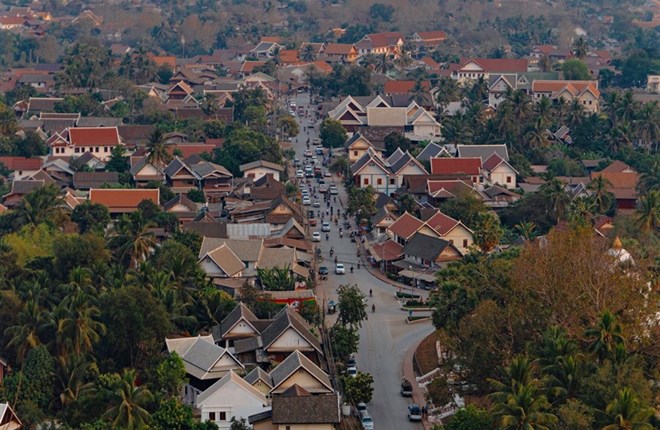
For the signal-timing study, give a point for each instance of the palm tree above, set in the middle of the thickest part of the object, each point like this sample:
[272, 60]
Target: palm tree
[649, 181]
[602, 198]
[81, 327]
[129, 411]
[132, 238]
[404, 59]
[627, 413]
[581, 211]
[71, 373]
[383, 64]
[626, 108]
[418, 92]
[25, 335]
[543, 112]
[447, 90]
[648, 211]
[308, 53]
[575, 114]
[158, 154]
[537, 136]
[648, 125]
[42, 205]
[554, 191]
[580, 47]
[210, 104]
[605, 335]
[526, 229]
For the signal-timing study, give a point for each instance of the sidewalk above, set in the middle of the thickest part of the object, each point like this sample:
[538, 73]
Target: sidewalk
[409, 373]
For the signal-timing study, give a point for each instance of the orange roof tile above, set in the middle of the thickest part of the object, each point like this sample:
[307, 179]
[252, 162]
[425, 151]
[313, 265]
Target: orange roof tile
[288, 56]
[164, 60]
[94, 136]
[339, 48]
[618, 167]
[21, 163]
[574, 87]
[402, 87]
[123, 200]
[494, 65]
[406, 225]
[430, 62]
[432, 36]
[322, 66]
[270, 39]
[441, 223]
[248, 66]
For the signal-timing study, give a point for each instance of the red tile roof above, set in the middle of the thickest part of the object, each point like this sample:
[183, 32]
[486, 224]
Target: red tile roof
[188, 149]
[94, 136]
[123, 200]
[387, 251]
[574, 87]
[406, 225]
[455, 166]
[430, 62]
[402, 87]
[338, 48]
[164, 60]
[288, 56]
[450, 187]
[492, 162]
[441, 223]
[322, 66]
[248, 66]
[618, 167]
[21, 163]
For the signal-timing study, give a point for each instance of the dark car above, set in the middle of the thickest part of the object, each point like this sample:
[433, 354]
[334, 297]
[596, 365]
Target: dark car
[414, 412]
[323, 270]
[406, 388]
[332, 307]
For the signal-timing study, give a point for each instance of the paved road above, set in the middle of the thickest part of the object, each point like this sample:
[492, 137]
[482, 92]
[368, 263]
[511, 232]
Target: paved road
[385, 338]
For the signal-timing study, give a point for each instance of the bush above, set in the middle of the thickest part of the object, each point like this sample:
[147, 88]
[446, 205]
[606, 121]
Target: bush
[401, 295]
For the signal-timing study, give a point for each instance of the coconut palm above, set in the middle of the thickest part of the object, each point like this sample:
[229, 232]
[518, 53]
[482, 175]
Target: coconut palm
[447, 90]
[524, 410]
[526, 229]
[650, 180]
[601, 197]
[581, 211]
[81, 327]
[158, 154]
[580, 47]
[648, 211]
[132, 239]
[418, 92]
[25, 335]
[128, 411]
[42, 205]
[648, 125]
[308, 53]
[626, 108]
[605, 335]
[404, 59]
[543, 112]
[70, 375]
[575, 114]
[626, 412]
[554, 191]
[537, 136]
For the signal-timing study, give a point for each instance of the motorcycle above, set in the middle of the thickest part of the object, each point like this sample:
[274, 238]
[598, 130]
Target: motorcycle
[373, 308]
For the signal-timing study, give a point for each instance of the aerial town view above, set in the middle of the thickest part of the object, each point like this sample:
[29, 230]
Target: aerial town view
[329, 214]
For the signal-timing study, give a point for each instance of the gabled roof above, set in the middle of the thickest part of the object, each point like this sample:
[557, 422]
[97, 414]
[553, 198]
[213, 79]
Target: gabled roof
[403, 87]
[177, 165]
[181, 86]
[425, 247]
[387, 251]
[206, 168]
[339, 48]
[482, 151]
[86, 180]
[258, 374]
[226, 260]
[24, 187]
[232, 377]
[245, 249]
[261, 163]
[94, 136]
[432, 36]
[406, 225]
[495, 160]
[369, 157]
[142, 163]
[576, 88]
[180, 199]
[443, 224]
[239, 313]
[432, 150]
[8, 418]
[447, 188]
[618, 167]
[284, 320]
[297, 406]
[387, 116]
[295, 361]
[356, 136]
[403, 161]
[456, 166]
[396, 155]
[200, 355]
[123, 200]
[495, 65]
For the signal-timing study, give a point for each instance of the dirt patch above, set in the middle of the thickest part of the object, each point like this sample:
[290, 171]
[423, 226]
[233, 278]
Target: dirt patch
[426, 357]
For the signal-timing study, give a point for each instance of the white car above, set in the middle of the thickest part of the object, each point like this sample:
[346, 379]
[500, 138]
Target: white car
[327, 174]
[307, 153]
[316, 236]
[351, 371]
[333, 190]
[306, 201]
[325, 227]
[367, 422]
[299, 174]
[340, 269]
[316, 204]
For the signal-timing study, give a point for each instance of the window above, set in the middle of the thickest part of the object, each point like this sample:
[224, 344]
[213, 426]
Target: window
[223, 416]
[355, 153]
[465, 243]
[77, 151]
[211, 416]
[96, 149]
[105, 149]
[481, 179]
[365, 181]
[451, 241]
[392, 181]
[508, 179]
[379, 181]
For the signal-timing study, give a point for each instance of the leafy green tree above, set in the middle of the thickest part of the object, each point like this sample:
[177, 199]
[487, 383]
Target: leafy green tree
[352, 307]
[71, 251]
[469, 418]
[90, 217]
[380, 12]
[40, 206]
[288, 125]
[362, 202]
[488, 232]
[396, 140]
[196, 195]
[575, 70]
[239, 424]
[465, 208]
[129, 410]
[276, 278]
[118, 161]
[172, 414]
[358, 388]
[575, 415]
[333, 134]
[345, 340]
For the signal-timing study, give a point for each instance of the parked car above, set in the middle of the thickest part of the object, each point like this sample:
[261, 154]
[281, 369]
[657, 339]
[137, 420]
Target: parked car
[332, 307]
[350, 362]
[327, 174]
[367, 422]
[340, 269]
[313, 222]
[351, 371]
[414, 412]
[323, 271]
[361, 409]
[406, 388]
[316, 236]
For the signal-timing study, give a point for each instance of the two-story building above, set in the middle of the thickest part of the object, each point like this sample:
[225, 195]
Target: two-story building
[75, 141]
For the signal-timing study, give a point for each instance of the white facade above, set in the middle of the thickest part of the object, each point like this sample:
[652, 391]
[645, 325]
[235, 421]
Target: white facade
[504, 176]
[373, 175]
[258, 172]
